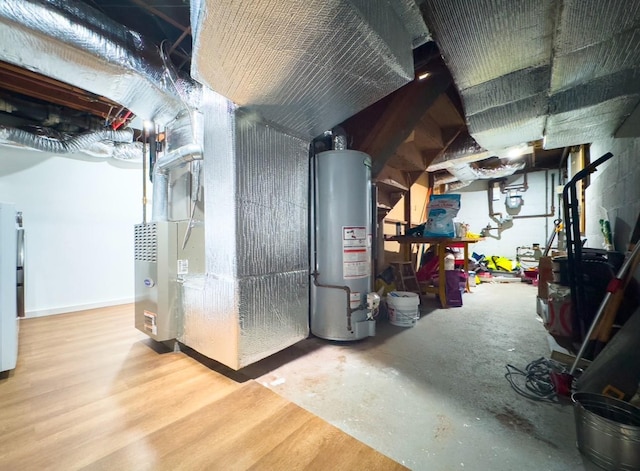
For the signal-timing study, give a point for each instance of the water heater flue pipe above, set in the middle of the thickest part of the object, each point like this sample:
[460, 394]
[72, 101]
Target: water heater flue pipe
[182, 155]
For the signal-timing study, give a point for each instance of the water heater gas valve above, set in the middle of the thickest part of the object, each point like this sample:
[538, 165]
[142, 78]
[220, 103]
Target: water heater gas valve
[373, 301]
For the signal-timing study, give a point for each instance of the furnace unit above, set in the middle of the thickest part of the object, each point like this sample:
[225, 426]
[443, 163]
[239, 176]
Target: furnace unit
[161, 263]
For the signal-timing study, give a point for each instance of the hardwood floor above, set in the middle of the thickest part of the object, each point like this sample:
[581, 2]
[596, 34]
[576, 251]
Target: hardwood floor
[91, 392]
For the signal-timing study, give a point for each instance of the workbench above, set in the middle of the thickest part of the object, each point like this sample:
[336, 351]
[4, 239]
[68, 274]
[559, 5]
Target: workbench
[442, 243]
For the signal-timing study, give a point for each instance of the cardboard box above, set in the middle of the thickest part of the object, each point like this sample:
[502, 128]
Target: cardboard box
[545, 276]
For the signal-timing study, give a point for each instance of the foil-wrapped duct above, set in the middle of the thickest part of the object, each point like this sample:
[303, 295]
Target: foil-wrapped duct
[594, 82]
[527, 69]
[253, 300]
[468, 173]
[305, 65]
[65, 145]
[76, 44]
[589, 123]
[131, 152]
[499, 54]
[409, 13]
[464, 149]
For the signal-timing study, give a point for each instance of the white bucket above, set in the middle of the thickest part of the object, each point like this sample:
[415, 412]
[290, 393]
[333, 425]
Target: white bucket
[403, 308]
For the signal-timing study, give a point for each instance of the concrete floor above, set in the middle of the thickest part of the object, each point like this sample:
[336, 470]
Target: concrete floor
[434, 396]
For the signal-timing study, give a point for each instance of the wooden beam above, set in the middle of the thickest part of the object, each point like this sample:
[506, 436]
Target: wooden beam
[401, 116]
[184, 34]
[159, 14]
[25, 82]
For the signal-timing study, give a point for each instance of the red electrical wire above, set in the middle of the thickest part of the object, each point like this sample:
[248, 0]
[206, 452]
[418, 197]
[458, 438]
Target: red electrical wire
[121, 121]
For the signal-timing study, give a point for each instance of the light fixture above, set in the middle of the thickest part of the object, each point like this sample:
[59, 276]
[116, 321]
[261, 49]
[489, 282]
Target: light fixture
[148, 125]
[424, 75]
[514, 152]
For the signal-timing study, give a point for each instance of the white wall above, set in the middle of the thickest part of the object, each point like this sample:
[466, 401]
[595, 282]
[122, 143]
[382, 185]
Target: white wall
[614, 192]
[79, 215]
[524, 232]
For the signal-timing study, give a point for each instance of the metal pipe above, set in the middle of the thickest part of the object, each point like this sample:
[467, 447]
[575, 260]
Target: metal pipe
[551, 213]
[490, 197]
[145, 136]
[350, 310]
[182, 155]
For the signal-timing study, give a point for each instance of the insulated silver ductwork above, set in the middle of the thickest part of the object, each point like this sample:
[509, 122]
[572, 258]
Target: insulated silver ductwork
[63, 146]
[305, 65]
[467, 173]
[463, 150]
[567, 71]
[180, 156]
[76, 44]
[498, 53]
[254, 299]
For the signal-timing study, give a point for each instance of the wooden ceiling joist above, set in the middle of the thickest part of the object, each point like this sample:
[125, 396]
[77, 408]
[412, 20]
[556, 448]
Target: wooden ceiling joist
[34, 85]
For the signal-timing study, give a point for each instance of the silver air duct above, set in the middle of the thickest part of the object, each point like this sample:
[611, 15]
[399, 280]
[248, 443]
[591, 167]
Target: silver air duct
[71, 42]
[180, 156]
[305, 65]
[566, 71]
[254, 299]
[63, 146]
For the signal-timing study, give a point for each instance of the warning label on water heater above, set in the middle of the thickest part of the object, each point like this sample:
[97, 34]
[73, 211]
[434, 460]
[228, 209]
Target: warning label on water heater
[355, 252]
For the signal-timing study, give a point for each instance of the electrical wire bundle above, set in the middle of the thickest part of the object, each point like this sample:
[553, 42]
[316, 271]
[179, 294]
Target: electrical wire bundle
[535, 382]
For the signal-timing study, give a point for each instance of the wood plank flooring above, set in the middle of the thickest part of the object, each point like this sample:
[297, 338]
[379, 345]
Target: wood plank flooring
[91, 392]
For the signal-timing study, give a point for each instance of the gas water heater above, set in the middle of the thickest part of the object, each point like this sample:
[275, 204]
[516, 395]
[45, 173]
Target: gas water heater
[341, 297]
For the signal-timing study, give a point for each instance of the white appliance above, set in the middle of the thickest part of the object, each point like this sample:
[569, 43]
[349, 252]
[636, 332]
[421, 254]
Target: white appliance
[8, 287]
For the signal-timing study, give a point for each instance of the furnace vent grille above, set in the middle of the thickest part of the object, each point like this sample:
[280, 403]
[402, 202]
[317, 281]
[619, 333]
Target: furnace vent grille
[146, 236]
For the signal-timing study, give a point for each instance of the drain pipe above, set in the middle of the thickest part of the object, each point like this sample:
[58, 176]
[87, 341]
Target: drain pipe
[552, 209]
[162, 168]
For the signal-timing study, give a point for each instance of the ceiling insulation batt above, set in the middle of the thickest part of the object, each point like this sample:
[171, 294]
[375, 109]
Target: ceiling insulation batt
[304, 64]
